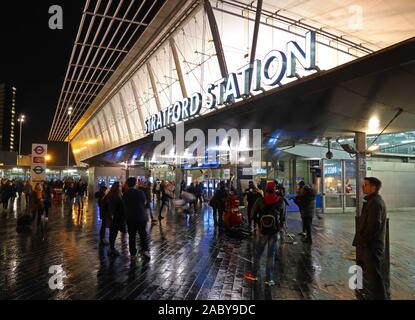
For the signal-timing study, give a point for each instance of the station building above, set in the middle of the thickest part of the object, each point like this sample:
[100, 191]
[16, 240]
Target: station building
[329, 87]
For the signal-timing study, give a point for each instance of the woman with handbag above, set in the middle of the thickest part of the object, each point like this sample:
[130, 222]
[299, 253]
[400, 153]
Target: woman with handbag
[115, 218]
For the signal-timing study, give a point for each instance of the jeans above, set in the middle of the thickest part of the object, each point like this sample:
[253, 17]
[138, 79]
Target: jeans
[133, 228]
[218, 219]
[5, 203]
[113, 237]
[307, 223]
[39, 215]
[27, 198]
[262, 240]
[102, 230]
[249, 209]
[79, 202]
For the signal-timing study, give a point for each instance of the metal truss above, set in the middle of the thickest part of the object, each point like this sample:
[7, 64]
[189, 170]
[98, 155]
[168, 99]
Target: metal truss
[107, 32]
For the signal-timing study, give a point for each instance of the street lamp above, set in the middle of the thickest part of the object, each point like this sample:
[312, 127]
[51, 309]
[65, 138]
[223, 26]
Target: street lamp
[21, 119]
[69, 140]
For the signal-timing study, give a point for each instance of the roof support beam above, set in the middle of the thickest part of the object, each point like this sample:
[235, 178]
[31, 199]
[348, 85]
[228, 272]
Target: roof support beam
[127, 120]
[137, 103]
[178, 67]
[115, 18]
[256, 30]
[101, 47]
[154, 86]
[91, 67]
[216, 38]
[114, 115]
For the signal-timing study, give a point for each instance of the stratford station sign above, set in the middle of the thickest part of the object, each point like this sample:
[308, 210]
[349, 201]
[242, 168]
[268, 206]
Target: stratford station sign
[269, 71]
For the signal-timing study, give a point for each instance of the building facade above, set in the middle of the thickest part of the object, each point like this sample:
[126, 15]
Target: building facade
[293, 72]
[8, 117]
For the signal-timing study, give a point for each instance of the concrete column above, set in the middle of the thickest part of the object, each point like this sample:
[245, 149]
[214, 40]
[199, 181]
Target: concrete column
[293, 175]
[360, 140]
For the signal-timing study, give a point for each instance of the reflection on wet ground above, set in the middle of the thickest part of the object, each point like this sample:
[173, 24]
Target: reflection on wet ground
[190, 259]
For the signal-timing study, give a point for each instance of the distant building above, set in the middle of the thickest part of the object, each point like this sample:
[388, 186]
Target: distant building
[8, 117]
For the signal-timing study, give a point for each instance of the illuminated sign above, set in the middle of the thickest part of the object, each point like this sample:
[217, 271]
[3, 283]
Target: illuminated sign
[241, 84]
[38, 159]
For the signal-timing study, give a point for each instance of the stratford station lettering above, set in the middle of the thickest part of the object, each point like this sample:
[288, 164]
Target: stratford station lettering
[241, 84]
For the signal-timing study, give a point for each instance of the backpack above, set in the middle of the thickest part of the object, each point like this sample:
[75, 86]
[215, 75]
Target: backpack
[269, 223]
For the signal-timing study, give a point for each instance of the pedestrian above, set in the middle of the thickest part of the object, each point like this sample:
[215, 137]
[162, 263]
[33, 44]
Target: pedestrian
[183, 186]
[27, 190]
[47, 199]
[269, 226]
[13, 193]
[114, 215]
[370, 240]
[19, 189]
[166, 196]
[134, 205]
[297, 201]
[147, 190]
[199, 192]
[306, 201]
[251, 194]
[36, 205]
[99, 195]
[218, 203]
[192, 190]
[79, 192]
[6, 194]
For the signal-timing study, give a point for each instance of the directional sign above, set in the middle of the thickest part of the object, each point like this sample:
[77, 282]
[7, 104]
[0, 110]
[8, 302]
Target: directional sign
[38, 173]
[39, 160]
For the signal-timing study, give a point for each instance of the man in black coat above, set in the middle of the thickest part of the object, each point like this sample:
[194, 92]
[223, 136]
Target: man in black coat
[306, 201]
[134, 207]
[370, 240]
[252, 195]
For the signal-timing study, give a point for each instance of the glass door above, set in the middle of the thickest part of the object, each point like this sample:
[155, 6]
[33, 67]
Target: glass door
[350, 184]
[333, 184]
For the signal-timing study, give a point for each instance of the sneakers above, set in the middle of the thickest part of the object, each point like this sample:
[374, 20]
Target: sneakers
[250, 276]
[270, 283]
[302, 234]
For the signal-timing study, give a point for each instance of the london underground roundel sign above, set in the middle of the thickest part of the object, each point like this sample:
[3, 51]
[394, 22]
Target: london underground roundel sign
[38, 170]
[39, 150]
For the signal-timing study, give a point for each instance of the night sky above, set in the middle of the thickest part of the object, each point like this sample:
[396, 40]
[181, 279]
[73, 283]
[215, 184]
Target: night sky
[34, 58]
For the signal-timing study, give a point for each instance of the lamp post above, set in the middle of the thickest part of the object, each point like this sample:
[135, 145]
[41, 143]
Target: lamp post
[69, 139]
[21, 119]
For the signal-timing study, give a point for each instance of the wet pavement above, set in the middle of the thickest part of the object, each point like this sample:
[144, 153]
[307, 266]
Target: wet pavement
[190, 259]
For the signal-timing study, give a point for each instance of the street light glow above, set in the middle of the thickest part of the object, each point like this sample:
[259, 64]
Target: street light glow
[373, 124]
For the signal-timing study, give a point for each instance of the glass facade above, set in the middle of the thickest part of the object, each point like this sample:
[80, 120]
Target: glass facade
[156, 84]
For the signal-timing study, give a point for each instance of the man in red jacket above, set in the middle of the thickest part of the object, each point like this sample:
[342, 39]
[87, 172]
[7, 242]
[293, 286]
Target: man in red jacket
[269, 225]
